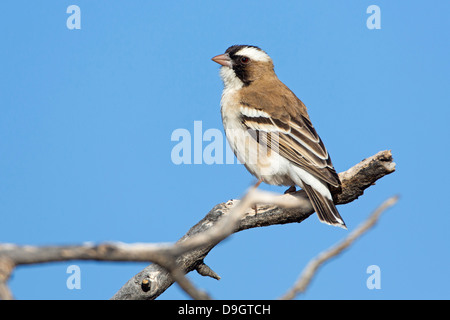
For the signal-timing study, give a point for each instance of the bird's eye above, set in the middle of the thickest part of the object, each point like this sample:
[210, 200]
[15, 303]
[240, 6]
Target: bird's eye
[245, 60]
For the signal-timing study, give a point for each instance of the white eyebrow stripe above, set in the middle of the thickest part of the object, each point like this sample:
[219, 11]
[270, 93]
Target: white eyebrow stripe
[254, 54]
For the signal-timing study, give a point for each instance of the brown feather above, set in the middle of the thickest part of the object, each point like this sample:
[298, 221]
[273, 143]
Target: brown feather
[325, 208]
[298, 140]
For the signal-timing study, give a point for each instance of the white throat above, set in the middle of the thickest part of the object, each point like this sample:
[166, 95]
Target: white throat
[230, 80]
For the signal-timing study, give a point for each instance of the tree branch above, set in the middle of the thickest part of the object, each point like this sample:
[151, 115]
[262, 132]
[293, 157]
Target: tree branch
[191, 248]
[173, 261]
[312, 267]
[12, 255]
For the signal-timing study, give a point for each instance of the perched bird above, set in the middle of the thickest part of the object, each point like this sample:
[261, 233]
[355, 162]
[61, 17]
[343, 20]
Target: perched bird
[270, 132]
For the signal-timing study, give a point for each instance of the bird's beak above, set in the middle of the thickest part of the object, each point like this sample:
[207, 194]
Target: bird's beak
[223, 59]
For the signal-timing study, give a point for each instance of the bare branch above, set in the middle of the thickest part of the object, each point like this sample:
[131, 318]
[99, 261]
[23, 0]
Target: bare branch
[110, 251]
[173, 261]
[5, 293]
[192, 253]
[312, 267]
[6, 268]
[206, 271]
[13, 255]
[226, 226]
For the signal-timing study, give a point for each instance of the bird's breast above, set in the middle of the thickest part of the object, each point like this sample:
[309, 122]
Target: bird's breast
[262, 162]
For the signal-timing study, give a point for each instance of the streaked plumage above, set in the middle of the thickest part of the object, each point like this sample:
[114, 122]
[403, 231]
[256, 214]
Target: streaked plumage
[270, 132]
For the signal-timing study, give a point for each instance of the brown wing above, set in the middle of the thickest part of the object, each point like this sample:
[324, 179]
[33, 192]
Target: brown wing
[298, 141]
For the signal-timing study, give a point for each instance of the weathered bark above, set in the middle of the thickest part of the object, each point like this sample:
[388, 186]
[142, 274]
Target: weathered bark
[154, 279]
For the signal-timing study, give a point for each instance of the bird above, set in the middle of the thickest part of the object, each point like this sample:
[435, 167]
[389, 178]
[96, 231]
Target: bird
[270, 132]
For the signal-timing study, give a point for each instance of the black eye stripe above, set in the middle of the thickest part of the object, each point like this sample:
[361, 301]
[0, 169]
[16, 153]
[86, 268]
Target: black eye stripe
[239, 59]
[240, 67]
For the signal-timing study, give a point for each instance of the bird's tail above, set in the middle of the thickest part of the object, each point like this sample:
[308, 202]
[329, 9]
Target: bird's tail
[324, 207]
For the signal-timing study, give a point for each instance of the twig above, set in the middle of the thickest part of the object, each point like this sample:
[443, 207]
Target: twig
[173, 261]
[354, 182]
[226, 226]
[312, 267]
[13, 255]
[6, 268]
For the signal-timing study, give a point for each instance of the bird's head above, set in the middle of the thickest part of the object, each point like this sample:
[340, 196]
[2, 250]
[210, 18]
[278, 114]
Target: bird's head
[243, 64]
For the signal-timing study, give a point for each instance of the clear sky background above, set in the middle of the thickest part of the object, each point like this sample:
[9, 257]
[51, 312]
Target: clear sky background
[86, 118]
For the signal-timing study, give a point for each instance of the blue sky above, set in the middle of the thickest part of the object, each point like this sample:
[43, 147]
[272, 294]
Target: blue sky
[87, 117]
